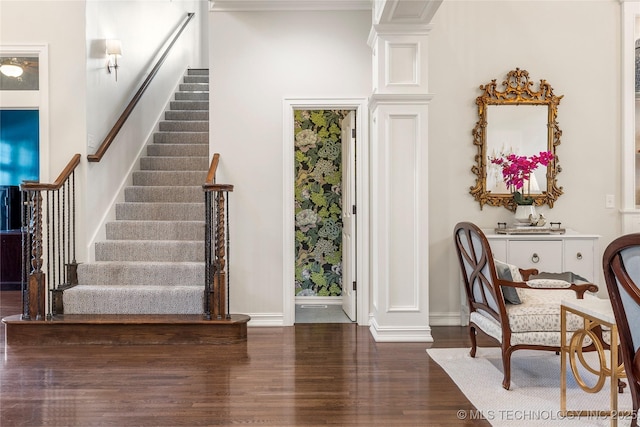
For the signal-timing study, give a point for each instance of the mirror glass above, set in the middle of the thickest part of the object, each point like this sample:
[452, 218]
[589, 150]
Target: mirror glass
[516, 120]
[515, 129]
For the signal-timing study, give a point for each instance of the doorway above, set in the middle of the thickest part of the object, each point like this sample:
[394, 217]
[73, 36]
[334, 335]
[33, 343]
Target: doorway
[324, 255]
[326, 258]
[24, 145]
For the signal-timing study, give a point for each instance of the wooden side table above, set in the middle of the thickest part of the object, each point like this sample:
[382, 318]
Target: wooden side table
[595, 312]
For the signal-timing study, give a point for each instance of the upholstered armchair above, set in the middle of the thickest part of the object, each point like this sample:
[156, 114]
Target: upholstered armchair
[531, 319]
[621, 263]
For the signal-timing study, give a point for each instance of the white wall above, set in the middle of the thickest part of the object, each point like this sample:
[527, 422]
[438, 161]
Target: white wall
[257, 60]
[578, 53]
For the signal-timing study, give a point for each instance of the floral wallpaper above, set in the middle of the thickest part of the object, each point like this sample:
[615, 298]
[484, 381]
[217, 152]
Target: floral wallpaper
[318, 202]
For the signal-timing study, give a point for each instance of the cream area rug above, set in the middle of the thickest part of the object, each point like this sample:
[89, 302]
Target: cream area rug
[534, 396]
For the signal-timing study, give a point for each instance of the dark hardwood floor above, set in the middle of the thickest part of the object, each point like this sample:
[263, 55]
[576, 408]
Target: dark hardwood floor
[306, 375]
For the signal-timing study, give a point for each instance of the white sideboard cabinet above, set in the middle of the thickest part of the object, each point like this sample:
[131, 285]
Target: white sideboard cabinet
[553, 253]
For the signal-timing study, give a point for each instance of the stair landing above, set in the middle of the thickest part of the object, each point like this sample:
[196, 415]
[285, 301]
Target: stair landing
[114, 329]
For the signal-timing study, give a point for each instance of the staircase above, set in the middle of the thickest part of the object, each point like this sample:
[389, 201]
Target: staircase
[152, 261]
[147, 284]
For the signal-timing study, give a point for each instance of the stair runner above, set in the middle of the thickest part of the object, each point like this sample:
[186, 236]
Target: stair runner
[152, 261]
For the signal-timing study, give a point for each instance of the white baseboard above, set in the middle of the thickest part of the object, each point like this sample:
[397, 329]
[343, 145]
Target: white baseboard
[319, 300]
[400, 334]
[381, 334]
[451, 318]
[266, 320]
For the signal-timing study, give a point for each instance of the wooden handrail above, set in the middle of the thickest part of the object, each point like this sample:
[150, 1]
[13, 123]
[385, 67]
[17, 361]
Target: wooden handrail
[64, 175]
[210, 183]
[136, 98]
[218, 187]
[211, 176]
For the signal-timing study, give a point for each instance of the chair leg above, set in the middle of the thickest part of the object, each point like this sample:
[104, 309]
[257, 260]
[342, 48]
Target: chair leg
[506, 365]
[621, 386]
[472, 336]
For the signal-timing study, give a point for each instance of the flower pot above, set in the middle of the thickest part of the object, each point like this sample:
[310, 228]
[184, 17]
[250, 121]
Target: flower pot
[526, 214]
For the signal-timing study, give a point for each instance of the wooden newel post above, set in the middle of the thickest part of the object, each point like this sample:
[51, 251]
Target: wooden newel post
[36, 288]
[37, 295]
[216, 304]
[218, 296]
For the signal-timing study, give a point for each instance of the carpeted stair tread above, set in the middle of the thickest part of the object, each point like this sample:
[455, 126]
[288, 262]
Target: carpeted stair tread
[189, 105]
[160, 211]
[150, 250]
[196, 79]
[193, 87]
[178, 150]
[155, 230]
[192, 96]
[181, 137]
[164, 178]
[174, 163]
[97, 299]
[163, 193]
[184, 126]
[114, 273]
[186, 115]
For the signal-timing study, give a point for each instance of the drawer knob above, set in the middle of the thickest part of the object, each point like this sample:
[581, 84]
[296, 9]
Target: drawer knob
[535, 258]
[579, 255]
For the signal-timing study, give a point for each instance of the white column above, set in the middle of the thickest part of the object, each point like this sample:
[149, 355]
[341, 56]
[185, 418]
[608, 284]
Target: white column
[399, 184]
[629, 212]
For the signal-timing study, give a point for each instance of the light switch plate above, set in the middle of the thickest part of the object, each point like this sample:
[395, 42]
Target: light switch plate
[610, 201]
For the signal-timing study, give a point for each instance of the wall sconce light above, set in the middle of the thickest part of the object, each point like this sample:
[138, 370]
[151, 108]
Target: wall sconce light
[11, 68]
[114, 49]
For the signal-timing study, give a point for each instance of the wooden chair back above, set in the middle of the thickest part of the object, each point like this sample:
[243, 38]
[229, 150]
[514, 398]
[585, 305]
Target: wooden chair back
[621, 263]
[479, 271]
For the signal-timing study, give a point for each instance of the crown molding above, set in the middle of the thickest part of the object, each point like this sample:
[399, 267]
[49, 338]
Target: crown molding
[287, 5]
[405, 12]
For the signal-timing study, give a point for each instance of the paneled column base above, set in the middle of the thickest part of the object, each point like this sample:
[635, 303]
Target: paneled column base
[400, 333]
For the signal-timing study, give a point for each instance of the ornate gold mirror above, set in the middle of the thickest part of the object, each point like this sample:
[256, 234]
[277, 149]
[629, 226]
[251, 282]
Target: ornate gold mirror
[516, 120]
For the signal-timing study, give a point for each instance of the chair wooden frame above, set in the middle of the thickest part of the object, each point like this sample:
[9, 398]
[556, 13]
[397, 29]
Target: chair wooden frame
[484, 292]
[618, 279]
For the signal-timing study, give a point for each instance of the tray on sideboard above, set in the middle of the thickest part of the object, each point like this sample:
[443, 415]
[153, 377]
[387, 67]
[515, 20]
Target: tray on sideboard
[529, 230]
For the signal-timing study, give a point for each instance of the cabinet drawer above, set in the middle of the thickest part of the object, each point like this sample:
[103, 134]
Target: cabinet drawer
[499, 249]
[544, 255]
[579, 257]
